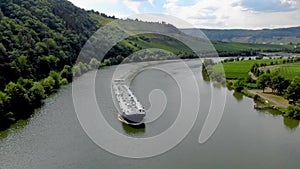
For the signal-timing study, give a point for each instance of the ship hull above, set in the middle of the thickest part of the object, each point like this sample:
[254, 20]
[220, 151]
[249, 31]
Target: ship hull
[136, 118]
[132, 119]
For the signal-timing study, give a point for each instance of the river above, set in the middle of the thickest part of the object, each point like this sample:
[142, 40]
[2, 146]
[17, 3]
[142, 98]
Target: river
[245, 138]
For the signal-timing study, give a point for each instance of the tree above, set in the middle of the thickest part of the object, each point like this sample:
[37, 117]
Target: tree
[293, 91]
[26, 83]
[48, 85]
[19, 100]
[67, 73]
[56, 76]
[205, 74]
[94, 63]
[263, 81]
[36, 94]
[279, 83]
[293, 112]
[107, 62]
[239, 85]
[76, 70]
[6, 117]
[2, 50]
[120, 59]
[1, 14]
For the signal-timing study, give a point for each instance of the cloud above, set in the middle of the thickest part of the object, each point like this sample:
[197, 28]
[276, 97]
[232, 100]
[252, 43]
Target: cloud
[133, 5]
[269, 5]
[151, 2]
[236, 13]
[292, 3]
[252, 14]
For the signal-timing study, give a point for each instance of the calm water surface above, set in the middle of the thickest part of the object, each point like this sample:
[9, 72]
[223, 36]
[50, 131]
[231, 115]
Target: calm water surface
[245, 138]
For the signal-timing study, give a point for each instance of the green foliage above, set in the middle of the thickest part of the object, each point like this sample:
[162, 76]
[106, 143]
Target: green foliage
[39, 36]
[239, 85]
[57, 78]
[205, 74]
[19, 100]
[66, 73]
[76, 71]
[278, 83]
[64, 81]
[288, 71]
[293, 91]
[26, 83]
[48, 85]
[240, 69]
[263, 81]
[293, 112]
[255, 69]
[253, 36]
[94, 63]
[36, 94]
[5, 118]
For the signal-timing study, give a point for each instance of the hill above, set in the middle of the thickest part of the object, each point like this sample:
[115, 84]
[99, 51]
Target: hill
[271, 36]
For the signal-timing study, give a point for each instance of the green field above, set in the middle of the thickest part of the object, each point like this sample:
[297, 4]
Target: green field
[288, 71]
[234, 46]
[240, 69]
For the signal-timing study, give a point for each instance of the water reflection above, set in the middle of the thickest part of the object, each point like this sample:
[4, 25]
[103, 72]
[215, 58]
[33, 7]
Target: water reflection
[291, 123]
[273, 112]
[134, 130]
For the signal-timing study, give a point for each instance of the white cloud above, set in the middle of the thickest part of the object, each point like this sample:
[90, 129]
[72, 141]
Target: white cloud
[151, 2]
[292, 3]
[230, 14]
[132, 5]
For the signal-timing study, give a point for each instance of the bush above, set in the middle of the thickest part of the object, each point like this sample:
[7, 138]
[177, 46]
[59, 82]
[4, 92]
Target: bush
[239, 85]
[256, 97]
[48, 85]
[293, 112]
[56, 76]
[94, 63]
[18, 96]
[36, 94]
[67, 73]
[64, 81]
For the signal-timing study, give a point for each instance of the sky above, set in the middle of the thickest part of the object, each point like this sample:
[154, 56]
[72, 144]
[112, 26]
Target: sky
[213, 14]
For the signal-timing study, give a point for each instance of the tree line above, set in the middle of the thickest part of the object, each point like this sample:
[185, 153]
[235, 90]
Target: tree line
[278, 84]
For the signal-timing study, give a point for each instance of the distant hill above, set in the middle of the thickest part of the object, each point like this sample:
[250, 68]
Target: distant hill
[270, 36]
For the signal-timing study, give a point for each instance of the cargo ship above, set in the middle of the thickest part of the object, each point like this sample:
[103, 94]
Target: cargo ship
[129, 108]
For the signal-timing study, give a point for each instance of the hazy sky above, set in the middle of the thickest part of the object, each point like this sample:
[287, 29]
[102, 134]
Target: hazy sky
[250, 14]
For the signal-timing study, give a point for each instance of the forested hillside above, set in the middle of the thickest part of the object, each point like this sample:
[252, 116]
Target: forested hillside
[37, 36]
[39, 43]
[276, 36]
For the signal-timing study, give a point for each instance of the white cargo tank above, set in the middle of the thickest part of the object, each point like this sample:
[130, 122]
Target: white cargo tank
[129, 108]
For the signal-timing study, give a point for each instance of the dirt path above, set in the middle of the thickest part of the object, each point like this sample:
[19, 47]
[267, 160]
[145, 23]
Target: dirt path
[271, 98]
[253, 76]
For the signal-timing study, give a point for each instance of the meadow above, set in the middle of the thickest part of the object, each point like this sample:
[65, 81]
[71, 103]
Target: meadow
[240, 69]
[288, 71]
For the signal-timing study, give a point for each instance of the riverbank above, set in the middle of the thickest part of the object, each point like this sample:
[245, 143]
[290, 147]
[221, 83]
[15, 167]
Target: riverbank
[268, 81]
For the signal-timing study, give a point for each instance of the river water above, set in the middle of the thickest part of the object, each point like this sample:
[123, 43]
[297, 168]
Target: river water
[245, 138]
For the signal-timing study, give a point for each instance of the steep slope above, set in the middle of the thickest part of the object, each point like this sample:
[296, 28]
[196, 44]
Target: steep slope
[37, 36]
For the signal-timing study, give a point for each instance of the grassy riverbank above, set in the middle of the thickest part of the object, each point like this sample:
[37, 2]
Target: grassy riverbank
[240, 69]
[274, 86]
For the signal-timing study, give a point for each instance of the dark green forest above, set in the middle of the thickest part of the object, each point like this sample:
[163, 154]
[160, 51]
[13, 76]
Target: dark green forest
[39, 43]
